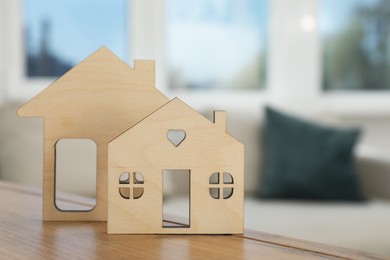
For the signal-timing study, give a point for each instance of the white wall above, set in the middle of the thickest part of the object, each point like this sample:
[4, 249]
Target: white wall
[2, 48]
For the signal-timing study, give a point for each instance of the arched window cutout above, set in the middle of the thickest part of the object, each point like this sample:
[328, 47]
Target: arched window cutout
[214, 178]
[124, 192]
[227, 193]
[124, 178]
[227, 178]
[214, 192]
[138, 178]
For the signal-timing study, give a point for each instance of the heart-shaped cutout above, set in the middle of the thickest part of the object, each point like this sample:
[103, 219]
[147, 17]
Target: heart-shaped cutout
[176, 136]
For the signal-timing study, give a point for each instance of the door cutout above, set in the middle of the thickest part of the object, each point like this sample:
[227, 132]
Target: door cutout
[176, 202]
[75, 174]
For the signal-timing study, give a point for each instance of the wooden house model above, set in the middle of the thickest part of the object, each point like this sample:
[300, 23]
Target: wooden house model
[213, 158]
[98, 99]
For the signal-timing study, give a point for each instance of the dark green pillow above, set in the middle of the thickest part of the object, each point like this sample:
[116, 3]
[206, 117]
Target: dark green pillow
[303, 160]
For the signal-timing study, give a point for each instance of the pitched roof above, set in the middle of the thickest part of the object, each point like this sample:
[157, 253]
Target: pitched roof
[100, 80]
[178, 114]
[176, 137]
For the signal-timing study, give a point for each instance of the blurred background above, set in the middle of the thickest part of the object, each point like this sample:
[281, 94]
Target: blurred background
[323, 60]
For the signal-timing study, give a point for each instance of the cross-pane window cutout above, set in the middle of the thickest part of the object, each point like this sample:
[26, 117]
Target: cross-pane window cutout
[356, 44]
[216, 44]
[220, 184]
[59, 34]
[131, 185]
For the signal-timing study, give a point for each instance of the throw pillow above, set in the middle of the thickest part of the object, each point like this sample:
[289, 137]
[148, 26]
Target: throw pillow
[303, 160]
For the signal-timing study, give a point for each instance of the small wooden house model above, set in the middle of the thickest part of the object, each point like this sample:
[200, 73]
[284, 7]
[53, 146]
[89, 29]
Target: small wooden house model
[213, 158]
[98, 99]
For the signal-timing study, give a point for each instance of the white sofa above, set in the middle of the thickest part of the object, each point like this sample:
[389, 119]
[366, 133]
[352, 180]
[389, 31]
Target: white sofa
[363, 226]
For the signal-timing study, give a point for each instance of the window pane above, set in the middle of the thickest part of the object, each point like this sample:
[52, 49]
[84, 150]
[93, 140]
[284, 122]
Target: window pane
[356, 44]
[59, 34]
[216, 44]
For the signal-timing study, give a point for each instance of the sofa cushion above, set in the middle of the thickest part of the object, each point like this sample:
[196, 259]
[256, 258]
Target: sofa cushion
[303, 160]
[360, 226]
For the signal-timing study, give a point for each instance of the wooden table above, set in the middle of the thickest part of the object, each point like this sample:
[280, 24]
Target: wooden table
[23, 235]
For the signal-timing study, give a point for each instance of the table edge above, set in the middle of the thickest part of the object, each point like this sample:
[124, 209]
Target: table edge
[263, 237]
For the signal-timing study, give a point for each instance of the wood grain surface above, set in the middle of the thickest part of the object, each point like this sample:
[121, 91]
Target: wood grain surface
[206, 149]
[23, 235]
[98, 99]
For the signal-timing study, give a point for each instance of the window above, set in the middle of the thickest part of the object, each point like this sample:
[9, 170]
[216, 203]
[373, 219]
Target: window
[75, 163]
[131, 185]
[208, 45]
[59, 34]
[216, 44]
[356, 44]
[221, 189]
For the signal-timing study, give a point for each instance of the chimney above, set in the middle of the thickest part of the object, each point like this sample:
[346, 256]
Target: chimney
[220, 119]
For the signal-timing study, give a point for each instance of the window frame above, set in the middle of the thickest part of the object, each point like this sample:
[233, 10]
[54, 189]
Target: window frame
[17, 85]
[299, 85]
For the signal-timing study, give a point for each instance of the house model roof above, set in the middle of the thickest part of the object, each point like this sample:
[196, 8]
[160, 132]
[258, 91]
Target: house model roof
[102, 92]
[152, 133]
[178, 114]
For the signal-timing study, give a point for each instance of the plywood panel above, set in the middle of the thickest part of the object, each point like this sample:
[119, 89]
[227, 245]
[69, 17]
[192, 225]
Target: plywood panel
[206, 149]
[98, 99]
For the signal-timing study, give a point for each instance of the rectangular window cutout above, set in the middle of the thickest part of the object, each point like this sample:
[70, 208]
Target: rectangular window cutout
[75, 174]
[176, 198]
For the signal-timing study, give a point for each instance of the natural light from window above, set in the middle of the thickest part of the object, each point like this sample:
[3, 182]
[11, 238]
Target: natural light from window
[59, 34]
[216, 44]
[356, 44]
